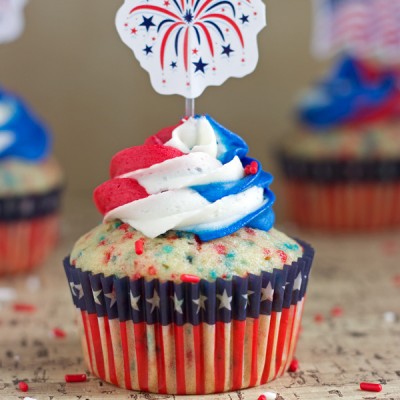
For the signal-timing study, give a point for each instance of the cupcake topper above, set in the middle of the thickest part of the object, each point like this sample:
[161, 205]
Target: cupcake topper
[363, 28]
[11, 19]
[187, 45]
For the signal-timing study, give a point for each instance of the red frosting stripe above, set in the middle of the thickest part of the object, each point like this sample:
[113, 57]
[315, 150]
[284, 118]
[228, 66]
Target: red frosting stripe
[139, 157]
[162, 136]
[116, 193]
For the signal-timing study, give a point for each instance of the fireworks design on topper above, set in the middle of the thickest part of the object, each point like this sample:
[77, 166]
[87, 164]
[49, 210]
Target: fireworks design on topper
[11, 19]
[187, 45]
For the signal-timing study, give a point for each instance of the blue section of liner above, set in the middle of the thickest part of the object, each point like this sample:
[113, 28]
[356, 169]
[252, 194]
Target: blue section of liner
[157, 302]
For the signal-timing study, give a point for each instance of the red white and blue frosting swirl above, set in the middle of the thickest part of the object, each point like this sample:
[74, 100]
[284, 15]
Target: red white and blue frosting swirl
[22, 135]
[354, 93]
[193, 177]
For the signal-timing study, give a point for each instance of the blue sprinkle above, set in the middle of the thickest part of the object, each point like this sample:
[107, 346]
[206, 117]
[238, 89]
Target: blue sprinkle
[230, 255]
[291, 246]
[213, 275]
[168, 249]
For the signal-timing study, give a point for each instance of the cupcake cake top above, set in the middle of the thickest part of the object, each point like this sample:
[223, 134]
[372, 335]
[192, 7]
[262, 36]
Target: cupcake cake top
[25, 146]
[195, 177]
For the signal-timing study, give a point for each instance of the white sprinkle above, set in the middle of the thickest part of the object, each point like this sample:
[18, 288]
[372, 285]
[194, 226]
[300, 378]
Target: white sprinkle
[7, 294]
[268, 396]
[16, 358]
[33, 283]
[29, 398]
[389, 317]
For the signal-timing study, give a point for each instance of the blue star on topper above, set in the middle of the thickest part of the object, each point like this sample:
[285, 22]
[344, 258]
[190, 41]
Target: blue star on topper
[148, 49]
[200, 65]
[147, 23]
[244, 18]
[227, 50]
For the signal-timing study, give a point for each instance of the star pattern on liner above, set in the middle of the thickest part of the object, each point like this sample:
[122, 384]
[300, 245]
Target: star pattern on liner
[147, 23]
[200, 65]
[177, 304]
[73, 286]
[173, 64]
[225, 300]
[298, 281]
[267, 293]
[134, 302]
[201, 303]
[246, 297]
[227, 50]
[112, 296]
[96, 294]
[154, 301]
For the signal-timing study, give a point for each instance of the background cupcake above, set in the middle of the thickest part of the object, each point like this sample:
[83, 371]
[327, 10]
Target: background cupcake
[30, 186]
[343, 164]
[187, 288]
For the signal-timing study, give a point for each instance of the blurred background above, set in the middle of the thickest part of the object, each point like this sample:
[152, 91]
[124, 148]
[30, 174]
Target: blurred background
[72, 67]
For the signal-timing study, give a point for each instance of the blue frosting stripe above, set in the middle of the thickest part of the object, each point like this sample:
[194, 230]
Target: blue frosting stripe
[167, 302]
[32, 140]
[230, 146]
[346, 94]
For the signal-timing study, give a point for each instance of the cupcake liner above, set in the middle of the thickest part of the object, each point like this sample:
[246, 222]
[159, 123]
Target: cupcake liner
[26, 207]
[25, 244]
[335, 171]
[185, 338]
[341, 207]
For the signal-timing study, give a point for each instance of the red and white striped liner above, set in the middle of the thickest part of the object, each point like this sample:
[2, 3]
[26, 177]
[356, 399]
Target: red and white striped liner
[25, 244]
[344, 207]
[191, 359]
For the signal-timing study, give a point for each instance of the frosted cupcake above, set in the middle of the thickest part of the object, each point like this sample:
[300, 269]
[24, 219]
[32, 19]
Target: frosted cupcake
[186, 287]
[343, 164]
[30, 186]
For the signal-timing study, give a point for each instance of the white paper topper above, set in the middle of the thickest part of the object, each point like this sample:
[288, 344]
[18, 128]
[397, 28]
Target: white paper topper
[187, 45]
[11, 19]
[364, 28]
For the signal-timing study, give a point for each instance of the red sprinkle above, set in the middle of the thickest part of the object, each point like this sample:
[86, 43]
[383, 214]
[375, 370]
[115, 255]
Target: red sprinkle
[198, 241]
[282, 255]
[24, 307]
[250, 231]
[251, 169]
[318, 317]
[294, 365]
[371, 387]
[75, 378]
[139, 246]
[23, 386]
[152, 270]
[190, 278]
[220, 248]
[337, 312]
[59, 333]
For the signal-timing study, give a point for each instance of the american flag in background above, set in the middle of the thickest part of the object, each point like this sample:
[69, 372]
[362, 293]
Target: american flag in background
[363, 28]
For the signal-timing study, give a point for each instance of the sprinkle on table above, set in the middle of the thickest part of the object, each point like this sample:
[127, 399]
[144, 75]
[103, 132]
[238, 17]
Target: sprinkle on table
[75, 378]
[59, 333]
[268, 396]
[23, 386]
[294, 365]
[24, 307]
[318, 318]
[337, 311]
[371, 387]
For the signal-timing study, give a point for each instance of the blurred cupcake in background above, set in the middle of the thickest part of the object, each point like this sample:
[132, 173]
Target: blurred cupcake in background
[342, 166]
[30, 188]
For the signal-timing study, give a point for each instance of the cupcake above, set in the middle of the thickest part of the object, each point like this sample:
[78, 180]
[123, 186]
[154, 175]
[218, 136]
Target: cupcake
[342, 167]
[186, 287]
[30, 186]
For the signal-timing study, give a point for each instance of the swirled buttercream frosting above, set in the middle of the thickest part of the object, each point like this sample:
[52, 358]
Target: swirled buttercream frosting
[353, 93]
[22, 135]
[194, 177]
